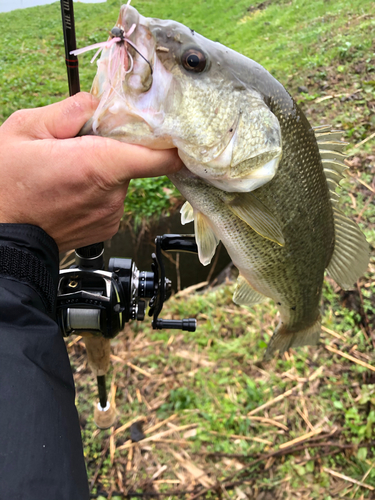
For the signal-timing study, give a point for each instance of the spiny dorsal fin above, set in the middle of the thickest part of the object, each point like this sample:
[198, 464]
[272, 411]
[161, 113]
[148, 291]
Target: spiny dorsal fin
[351, 253]
[326, 154]
[244, 293]
[324, 133]
[321, 130]
[255, 213]
[187, 213]
[331, 151]
[205, 238]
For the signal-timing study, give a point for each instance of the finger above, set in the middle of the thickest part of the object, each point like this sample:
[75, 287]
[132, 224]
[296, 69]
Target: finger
[118, 162]
[65, 119]
[146, 162]
[61, 120]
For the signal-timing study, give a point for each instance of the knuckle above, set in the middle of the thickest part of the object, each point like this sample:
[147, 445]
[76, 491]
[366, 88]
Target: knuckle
[114, 210]
[118, 202]
[79, 104]
[85, 100]
[109, 156]
[19, 118]
[103, 158]
[111, 208]
[111, 230]
[98, 176]
[94, 177]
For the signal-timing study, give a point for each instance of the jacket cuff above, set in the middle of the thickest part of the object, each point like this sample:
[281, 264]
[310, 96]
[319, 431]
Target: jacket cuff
[29, 255]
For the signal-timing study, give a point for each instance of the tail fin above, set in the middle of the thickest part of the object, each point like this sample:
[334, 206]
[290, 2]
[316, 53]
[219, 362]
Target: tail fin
[282, 339]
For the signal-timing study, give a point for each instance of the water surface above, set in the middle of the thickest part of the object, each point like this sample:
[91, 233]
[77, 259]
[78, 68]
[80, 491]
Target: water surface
[8, 5]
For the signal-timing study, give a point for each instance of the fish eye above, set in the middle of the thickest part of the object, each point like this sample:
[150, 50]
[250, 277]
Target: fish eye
[194, 60]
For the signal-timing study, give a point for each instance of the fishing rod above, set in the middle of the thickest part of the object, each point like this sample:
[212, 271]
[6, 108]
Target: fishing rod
[95, 303]
[67, 14]
[88, 257]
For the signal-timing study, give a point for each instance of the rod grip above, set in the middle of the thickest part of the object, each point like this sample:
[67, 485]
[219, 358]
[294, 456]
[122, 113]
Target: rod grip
[98, 354]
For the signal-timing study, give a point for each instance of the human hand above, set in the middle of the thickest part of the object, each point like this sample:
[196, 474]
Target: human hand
[72, 187]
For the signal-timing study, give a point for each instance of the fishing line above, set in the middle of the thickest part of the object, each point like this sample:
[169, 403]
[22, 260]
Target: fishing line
[137, 51]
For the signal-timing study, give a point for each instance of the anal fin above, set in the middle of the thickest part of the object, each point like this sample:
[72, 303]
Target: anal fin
[283, 339]
[244, 293]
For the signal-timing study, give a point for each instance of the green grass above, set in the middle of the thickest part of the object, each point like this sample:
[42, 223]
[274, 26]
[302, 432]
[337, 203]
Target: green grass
[286, 37]
[220, 379]
[328, 47]
[292, 39]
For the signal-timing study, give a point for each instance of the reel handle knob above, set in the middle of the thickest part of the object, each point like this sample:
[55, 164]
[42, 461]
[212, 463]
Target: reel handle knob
[186, 325]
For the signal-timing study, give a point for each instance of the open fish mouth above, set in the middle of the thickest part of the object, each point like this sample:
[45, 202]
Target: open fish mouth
[139, 48]
[131, 83]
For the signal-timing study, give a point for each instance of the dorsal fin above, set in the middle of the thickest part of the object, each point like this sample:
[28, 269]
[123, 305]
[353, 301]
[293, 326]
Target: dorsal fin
[324, 132]
[351, 253]
[332, 153]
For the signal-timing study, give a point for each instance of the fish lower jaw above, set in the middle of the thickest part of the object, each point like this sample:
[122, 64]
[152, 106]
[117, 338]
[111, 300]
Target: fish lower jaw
[250, 182]
[148, 141]
[239, 185]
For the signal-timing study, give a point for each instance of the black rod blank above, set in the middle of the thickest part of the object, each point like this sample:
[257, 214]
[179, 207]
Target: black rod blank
[102, 389]
[67, 14]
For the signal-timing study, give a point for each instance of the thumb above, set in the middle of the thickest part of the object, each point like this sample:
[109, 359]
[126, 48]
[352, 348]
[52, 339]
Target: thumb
[65, 119]
[61, 120]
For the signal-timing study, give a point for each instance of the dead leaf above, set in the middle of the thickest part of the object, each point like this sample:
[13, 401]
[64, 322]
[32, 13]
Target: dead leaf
[196, 358]
[197, 473]
[189, 434]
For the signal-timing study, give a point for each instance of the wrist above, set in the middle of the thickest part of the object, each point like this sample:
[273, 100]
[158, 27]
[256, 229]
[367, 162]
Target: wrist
[29, 255]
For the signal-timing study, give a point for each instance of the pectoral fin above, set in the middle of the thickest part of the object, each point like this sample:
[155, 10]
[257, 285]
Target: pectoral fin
[252, 211]
[187, 213]
[244, 294]
[205, 238]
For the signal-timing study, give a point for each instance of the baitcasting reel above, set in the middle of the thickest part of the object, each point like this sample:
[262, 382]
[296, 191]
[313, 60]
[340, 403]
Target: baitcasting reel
[100, 302]
[96, 304]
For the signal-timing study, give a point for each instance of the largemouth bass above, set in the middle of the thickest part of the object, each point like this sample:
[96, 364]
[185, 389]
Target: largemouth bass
[258, 177]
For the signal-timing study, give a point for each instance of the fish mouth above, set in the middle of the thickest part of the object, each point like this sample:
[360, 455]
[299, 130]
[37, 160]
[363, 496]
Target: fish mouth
[132, 84]
[140, 50]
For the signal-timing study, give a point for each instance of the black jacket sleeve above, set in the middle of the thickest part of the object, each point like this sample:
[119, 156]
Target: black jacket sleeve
[41, 453]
